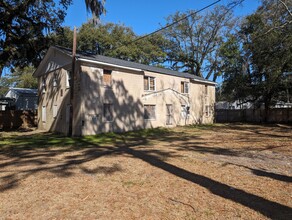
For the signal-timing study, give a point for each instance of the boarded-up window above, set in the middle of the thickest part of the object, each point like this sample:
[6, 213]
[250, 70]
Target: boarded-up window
[107, 77]
[108, 112]
[169, 114]
[184, 87]
[55, 111]
[44, 114]
[149, 83]
[149, 112]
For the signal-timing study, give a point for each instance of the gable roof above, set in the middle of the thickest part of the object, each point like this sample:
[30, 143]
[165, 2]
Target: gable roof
[85, 56]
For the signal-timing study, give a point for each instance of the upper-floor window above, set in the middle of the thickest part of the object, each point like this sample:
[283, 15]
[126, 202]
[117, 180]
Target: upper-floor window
[149, 83]
[68, 78]
[206, 90]
[107, 77]
[55, 80]
[44, 86]
[184, 87]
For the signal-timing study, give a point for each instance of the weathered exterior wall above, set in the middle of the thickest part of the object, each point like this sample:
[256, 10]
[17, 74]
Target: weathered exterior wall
[127, 96]
[54, 95]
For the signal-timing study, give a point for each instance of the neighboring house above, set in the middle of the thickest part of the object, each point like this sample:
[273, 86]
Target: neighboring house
[116, 95]
[7, 103]
[25, 99]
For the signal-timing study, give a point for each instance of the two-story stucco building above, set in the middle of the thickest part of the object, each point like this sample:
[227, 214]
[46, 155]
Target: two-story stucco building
[116, 95]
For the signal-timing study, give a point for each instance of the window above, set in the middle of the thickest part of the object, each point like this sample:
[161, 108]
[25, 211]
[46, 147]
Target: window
[169, 113]
[149, 112]
[44, 114]
[108, 112]
[206, 90]
[185, 111]
[149, 83]
[44, 86]
[55, 81]
[107, 77]
[55, 111]
[207, 110]
[184, 87]
[68, 79]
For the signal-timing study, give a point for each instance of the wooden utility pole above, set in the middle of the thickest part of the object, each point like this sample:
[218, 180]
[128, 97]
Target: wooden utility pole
[72, 81]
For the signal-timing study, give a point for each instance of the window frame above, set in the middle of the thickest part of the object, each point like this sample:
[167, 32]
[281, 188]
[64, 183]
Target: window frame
[169, 114]
[149, 78]
[185, 87]
[55, 110]
[44, 114]
[105, 114]
[108, 73]
[145, 113]
[68, 78]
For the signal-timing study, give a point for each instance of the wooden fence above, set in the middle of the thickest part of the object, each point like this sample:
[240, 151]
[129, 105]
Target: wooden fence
[279, 115]
[15, 119]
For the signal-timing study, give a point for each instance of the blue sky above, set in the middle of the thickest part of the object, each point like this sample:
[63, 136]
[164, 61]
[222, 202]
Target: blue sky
[145, 16]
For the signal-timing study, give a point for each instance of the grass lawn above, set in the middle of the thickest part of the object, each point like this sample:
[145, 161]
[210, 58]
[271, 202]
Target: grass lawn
[221, 171]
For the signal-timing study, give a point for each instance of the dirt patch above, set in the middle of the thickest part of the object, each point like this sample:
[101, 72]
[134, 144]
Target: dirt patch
[202, 172]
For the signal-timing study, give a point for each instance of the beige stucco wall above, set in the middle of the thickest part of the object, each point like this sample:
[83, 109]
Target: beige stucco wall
[54, 96]
[127, 96]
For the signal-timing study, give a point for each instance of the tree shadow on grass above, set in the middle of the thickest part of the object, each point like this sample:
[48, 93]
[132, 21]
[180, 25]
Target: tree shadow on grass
[133, 144]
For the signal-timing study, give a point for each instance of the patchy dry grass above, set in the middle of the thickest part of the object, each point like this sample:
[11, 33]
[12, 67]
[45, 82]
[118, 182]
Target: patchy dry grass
[219, 171]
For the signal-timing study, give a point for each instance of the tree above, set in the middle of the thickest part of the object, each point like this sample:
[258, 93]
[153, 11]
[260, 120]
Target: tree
[265, 55]
[196, 40]
[21, 78]
[114, 40]
[25, 28]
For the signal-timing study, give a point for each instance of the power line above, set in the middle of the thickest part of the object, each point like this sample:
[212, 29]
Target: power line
[169, 25]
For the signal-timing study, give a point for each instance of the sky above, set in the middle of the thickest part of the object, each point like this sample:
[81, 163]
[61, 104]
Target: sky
[146, 16]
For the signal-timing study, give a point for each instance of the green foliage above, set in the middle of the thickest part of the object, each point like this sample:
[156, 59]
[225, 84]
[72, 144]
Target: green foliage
[25, 28]
[114, 40]
[256, 60]
[21, 78]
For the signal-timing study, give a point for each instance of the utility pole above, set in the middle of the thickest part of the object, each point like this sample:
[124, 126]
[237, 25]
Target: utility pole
[72, 80]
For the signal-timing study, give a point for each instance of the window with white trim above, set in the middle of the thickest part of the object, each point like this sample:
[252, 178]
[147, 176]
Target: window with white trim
[55, 111]
[68, 78]
[185, 111]
[150, 112]
[149, 83]
[44, 114]
[185, 87]
[108, 112]
[207, 110]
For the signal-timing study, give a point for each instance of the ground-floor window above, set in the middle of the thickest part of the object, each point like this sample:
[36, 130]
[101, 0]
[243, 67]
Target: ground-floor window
[108, 112]
[169, 114]
[185, 111]
[149, 112]
[55, 111]
[207, 110]
[44, 114]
